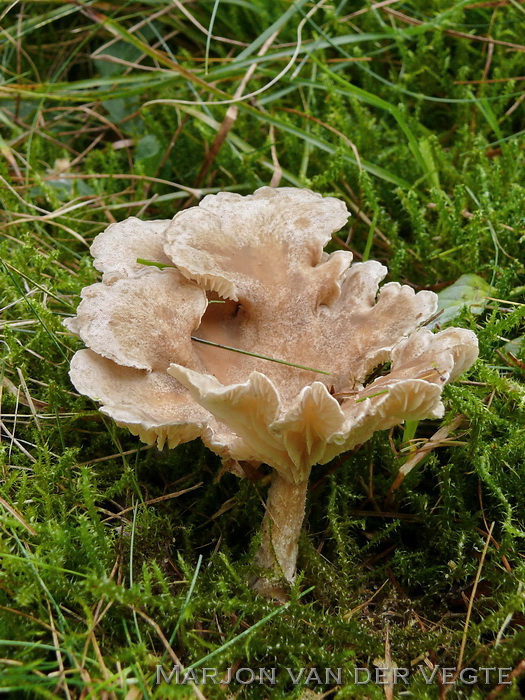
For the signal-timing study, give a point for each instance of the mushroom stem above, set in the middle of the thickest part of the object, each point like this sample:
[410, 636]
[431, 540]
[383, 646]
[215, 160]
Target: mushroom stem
[281, 528]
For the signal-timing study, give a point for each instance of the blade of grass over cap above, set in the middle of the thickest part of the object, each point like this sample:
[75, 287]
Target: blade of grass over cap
[152, 263]
[371, 396]
[260, 357]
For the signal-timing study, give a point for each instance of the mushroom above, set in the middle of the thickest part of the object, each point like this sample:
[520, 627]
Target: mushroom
[243, 332]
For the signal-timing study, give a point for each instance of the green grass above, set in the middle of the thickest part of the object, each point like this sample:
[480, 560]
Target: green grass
[116, 558]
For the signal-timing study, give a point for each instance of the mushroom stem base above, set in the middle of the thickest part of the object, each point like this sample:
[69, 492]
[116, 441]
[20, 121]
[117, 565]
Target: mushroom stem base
[281, 528]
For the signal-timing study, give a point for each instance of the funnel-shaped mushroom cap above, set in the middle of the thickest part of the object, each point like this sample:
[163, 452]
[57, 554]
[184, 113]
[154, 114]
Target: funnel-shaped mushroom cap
[250, 273]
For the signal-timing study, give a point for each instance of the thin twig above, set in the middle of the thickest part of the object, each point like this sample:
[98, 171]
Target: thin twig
[472, 598]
